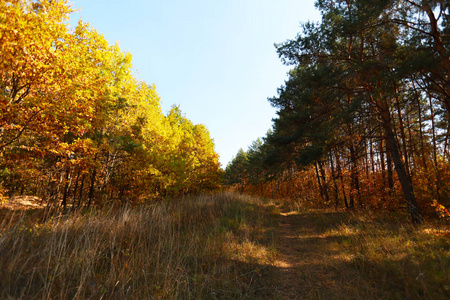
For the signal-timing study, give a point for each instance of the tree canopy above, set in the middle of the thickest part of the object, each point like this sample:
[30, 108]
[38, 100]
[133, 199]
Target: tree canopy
[76, 126]
[367, 93]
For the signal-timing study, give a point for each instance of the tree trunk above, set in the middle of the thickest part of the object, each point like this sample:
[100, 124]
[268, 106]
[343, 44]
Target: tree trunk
[389, 163]
[66, 190]
[439, 183]
[80, 195]
[324, 182]
[354, 175]
[333, 176]
[319, 182]
[341, 179]
[402, 133]
[403, 177]
[91, 188]
[75, 188]
[383, 166]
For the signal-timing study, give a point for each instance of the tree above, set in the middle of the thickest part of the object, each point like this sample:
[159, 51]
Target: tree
[75, 124]
[236, 172]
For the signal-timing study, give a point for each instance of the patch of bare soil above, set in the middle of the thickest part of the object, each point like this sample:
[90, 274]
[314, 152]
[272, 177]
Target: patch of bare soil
[310, 263]
[22, 203]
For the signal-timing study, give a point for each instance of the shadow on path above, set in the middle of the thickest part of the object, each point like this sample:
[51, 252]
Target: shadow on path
[310, 263]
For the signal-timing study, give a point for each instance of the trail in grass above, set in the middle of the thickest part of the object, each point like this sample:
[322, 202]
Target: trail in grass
[310, 261]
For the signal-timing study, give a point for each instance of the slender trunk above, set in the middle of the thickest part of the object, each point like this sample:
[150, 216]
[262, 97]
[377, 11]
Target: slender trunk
[439, 183]
[333, 176]
[351, 195]
[389, 163]
[80, 195]
[75, 189]
[402, 133]
[368, 183]
[422, 144]
[372, 159]
[341, 179]
[366, 159]
[324, 181]
[383, 166]
[413, 149]
[354, 173]
[66, 190]
[319, 182]
[58, 188]
[404, 178]
[91, 188]
[446, 154]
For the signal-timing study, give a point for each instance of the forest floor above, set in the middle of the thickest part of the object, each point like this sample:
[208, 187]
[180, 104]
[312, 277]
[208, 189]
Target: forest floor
[339, 255]
[308, 258]
[22, 203]
[222, 246]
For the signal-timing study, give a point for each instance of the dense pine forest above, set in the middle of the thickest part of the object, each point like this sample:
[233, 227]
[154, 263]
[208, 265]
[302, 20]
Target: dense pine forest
[105, 196]
[363, 119]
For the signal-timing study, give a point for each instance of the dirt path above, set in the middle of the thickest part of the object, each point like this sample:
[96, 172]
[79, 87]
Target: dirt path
[22, 203]
[310, 262]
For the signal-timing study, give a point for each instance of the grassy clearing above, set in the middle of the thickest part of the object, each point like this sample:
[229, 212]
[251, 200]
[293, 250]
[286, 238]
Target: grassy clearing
[223, 246]
[212, 246]
[397, 259]
[364, 255]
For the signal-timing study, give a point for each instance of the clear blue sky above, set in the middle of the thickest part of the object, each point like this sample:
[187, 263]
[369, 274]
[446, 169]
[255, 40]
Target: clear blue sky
[214, 58]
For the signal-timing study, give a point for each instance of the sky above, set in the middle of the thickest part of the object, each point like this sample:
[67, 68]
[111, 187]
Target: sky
[214, 58]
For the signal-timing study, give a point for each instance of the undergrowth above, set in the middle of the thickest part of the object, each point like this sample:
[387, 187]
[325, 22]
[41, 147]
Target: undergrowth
[221, 246]
[384, 256]
[210, 246]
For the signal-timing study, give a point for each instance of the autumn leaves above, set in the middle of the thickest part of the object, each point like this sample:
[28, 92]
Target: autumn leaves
[76, 125]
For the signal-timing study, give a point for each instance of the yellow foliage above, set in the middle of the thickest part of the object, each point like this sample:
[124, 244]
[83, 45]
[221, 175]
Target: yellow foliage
[71, 110]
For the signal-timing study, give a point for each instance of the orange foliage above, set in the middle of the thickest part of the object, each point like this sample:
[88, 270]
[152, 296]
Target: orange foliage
[76, 125]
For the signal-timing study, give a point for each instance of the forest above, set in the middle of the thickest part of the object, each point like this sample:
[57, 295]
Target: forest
[76, 126]
[105, 196]
[363, 119]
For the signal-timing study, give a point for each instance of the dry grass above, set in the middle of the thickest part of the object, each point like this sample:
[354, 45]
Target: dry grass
[396, 259]
[363, 255]
[222, 246]
[216, 246]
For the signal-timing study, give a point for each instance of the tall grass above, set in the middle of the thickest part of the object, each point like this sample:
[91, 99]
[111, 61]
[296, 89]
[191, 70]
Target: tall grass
[211, 246]
[390, 258]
